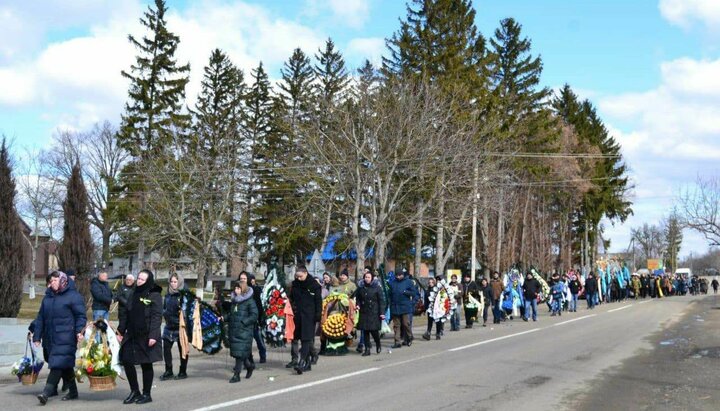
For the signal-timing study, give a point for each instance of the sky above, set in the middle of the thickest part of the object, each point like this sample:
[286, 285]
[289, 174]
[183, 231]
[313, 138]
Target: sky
[652, 67]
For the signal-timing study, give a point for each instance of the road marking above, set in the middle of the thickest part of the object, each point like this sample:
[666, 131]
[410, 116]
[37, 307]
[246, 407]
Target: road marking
[285, 390]
[620, 308]
[648, 301]
[575, 319]
[493, 340]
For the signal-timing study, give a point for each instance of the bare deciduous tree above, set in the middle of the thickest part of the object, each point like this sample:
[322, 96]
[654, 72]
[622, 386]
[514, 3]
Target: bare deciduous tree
[699, 207]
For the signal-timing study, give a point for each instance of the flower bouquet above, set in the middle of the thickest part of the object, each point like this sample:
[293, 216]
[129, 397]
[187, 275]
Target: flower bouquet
[96, 360]
[28, 368]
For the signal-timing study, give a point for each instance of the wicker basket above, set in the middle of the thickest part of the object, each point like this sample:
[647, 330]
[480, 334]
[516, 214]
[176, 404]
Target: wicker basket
[29, 379]
[106, 383]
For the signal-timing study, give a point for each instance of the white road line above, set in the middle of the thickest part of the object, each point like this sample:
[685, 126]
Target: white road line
[575, 319]
[620, 308]
[284, 390]
[494, 339]
[643, 302]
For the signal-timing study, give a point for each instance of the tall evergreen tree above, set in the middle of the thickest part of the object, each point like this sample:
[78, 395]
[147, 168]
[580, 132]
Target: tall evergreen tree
[296, 89]
[13, 256]
[157, 87]
[76, 251]
[152, 114]
[439, 42]
[332, 75]
[259, 127]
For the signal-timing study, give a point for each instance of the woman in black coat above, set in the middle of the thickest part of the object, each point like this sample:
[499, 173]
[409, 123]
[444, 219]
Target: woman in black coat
[59, 324]
[306, 300]
[171, 334]
[140, 335]
[372, 311]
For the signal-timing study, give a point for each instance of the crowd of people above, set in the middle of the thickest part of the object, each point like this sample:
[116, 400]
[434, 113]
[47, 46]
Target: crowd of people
[378, 301]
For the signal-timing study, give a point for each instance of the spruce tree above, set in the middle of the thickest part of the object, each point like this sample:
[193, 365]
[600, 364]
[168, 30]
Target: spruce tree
[296, 89]
[157, 88]
[76, 250]
[439, 42]
[331, 73]
[152, 115]
[258, 128]
[13, 256]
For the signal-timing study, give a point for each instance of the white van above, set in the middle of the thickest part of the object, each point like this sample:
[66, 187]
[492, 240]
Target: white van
[684, 271]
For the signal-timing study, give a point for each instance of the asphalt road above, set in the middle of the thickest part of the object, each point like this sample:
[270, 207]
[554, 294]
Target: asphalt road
[515, 366]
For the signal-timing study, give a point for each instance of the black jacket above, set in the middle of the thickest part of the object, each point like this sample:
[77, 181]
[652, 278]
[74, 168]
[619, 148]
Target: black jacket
[531, 289]
[139, 326]
[372, 306]
[257, 294]
[574, 286]
[101, 294]
[470, 288]
[487, 295]
[306, 300]
[590, 285]
[171, 310]
[60, 319]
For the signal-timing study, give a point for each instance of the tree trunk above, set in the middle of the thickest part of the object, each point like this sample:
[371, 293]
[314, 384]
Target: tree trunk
[440, 238]
[418, 242]
[326, 234]
[106, 248]
[500, 230]
[484, 243]
[523, 230]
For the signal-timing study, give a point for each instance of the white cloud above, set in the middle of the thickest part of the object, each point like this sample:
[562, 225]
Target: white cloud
[684, 12]
[371, 48]
[351, 13]
[671, 135]
[78, 81]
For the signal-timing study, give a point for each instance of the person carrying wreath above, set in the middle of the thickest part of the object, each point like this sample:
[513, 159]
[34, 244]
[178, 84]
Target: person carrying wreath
[139, 334]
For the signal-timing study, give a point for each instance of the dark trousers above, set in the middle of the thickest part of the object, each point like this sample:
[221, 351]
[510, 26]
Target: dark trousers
[240, 362]
[295, 349]
[485, 313]
[147, 373]
[375, 335]
[497, 314]
[306, 347]
[438, 326]
[401, 326]
[68, 377]
[167, 355]
[260, 342]
[468, 318]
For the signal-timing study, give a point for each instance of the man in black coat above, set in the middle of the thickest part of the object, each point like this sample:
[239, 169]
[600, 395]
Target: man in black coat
[531, 289]
[123, 294]
[590, 290]
[102, 296]
[306, 300]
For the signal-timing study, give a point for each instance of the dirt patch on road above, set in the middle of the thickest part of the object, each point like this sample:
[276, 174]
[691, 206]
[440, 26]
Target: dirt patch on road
[680, 372]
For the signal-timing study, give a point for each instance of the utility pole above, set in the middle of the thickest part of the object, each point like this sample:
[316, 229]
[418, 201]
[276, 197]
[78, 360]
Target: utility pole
[473, 251]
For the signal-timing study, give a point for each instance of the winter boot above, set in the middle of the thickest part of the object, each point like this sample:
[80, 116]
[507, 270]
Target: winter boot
[235, 378]
[292, 363]
[168, 375]
[366, 352]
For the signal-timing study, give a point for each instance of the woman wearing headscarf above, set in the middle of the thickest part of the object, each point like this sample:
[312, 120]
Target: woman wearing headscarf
[171, 333]
[241, 322]
[59, 324]
[372, 311]
[140, 333]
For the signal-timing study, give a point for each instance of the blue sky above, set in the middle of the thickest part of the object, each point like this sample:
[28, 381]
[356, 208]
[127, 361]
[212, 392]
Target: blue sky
[651, 66]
